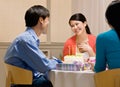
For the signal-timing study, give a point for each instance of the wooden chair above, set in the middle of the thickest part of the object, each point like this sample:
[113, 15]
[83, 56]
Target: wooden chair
[108, 78]
[18, 76]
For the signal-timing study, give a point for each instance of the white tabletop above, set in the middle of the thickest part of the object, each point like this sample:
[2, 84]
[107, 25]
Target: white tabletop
[61, 78]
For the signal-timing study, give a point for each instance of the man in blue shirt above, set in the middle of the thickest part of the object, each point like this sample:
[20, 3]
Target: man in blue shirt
[24, 52]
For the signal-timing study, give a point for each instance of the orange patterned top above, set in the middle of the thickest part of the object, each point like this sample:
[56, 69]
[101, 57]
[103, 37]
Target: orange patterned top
[70, 45]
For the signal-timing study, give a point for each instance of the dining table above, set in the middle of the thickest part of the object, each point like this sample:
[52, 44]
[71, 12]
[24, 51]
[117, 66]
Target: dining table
[63, 78]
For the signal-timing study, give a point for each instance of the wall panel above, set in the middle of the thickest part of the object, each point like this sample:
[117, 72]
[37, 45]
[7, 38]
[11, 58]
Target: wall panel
[12, 17]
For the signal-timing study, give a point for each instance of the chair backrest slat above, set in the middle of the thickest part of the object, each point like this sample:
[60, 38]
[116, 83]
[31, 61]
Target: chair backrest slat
[108, 78]
[17, 75]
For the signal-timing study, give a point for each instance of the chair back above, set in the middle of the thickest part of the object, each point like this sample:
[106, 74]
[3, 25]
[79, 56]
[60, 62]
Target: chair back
[108, 78]
[17, 75]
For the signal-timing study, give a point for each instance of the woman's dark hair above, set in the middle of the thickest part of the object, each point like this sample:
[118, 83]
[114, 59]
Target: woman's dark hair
[80, 17]
[113, 15]
[33, 14]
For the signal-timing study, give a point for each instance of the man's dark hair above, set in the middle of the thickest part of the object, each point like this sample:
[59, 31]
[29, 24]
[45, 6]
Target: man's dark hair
[33, 14]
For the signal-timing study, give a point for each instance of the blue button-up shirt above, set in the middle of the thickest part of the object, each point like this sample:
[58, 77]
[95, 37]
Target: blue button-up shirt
[24, 52]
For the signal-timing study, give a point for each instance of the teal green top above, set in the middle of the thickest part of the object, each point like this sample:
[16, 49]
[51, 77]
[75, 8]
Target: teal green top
[107, 51]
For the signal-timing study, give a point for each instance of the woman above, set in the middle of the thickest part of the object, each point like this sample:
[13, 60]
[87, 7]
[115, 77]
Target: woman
[108, 43]
[83, 41]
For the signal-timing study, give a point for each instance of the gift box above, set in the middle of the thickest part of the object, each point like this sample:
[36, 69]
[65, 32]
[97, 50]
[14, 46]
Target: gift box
[68, 67]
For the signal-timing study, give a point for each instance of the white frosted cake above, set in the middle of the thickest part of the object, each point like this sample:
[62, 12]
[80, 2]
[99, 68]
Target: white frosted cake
[73, 58]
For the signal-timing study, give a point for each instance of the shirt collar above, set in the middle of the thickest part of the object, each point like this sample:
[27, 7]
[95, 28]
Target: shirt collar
[32, 32]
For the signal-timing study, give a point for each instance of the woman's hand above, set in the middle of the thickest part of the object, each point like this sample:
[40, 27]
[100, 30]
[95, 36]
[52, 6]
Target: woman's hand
[85, 47]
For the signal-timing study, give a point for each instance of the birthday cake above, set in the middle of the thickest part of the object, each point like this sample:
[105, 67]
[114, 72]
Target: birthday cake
[70, 59]
[75, 63]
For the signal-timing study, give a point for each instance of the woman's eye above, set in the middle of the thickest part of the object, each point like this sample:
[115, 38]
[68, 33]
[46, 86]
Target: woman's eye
[77, 24]
[72, 25]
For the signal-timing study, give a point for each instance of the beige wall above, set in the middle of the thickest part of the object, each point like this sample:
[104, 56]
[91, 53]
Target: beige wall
[12, 17]
[60, 14]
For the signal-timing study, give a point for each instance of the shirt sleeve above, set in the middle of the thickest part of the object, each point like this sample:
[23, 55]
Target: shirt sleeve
[34, 57]
[100, 64]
